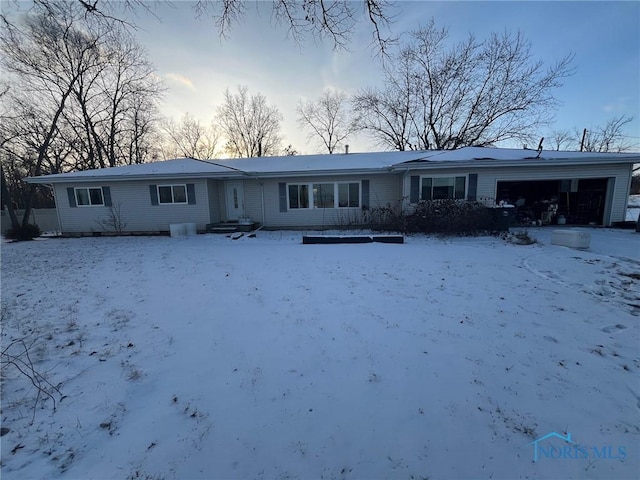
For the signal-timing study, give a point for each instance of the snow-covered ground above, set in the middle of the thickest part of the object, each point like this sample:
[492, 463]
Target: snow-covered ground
[207, 357]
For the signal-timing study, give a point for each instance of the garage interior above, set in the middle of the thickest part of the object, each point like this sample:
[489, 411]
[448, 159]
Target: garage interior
[572, 201]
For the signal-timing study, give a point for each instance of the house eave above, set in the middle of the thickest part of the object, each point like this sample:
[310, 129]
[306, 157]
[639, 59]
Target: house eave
[319, 173]
[528, 162]
[129, 178]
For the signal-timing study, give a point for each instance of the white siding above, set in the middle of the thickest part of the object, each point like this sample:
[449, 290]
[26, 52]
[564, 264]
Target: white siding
[222, 202]
[136, 209]
[488, 179]
[45, 218]
[383, 190]
[253, 200]
[215, 206]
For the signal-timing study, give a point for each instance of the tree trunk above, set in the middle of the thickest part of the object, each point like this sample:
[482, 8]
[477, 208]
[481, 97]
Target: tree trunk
[6, 197]
[42, 151]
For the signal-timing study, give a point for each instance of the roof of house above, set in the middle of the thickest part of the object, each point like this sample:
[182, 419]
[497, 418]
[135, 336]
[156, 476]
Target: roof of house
[180, 167]
[325, 163]
[483, 156]
[377, 162]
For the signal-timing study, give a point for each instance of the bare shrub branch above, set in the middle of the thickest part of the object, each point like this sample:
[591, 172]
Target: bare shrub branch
[16, 355]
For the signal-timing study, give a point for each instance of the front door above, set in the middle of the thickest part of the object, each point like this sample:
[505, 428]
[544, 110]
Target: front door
[235, 200]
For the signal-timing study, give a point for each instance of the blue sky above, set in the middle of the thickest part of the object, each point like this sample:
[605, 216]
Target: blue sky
[198, 65]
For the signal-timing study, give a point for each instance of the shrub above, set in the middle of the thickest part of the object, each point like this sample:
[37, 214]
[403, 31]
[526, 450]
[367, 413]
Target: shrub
[447, 217]
[386, 219]
[26, 232]
[454, 217]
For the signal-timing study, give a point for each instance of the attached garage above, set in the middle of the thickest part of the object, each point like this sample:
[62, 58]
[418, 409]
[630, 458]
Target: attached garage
[585, 188]
[579, 201]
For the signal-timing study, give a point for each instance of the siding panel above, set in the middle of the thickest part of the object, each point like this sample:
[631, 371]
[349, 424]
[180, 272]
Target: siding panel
[135, 204]
[383, 190]
[253, 200]
[214, 201]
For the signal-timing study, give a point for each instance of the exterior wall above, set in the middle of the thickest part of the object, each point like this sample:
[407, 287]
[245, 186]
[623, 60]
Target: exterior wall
[222, 202]
[136, 209]
[488, 179]
[253, 200]
[216, 207]
[45, 218]
[383, 189]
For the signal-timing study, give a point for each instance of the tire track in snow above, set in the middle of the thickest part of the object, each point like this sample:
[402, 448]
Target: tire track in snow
[609, 283]
[551, 277]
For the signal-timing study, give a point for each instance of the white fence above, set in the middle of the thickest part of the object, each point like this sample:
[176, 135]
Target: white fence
[45, 218]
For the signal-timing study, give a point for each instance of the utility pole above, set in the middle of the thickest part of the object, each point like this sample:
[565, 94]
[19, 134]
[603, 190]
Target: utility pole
[584, 134]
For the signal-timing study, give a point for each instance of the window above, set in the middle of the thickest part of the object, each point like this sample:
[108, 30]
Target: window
[438, 188]
[299, 196]
[172, 194]
[89, 196]
[324, 195]
[349, 194]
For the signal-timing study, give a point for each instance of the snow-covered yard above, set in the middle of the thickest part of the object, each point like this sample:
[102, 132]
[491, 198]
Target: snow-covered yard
[205, 357]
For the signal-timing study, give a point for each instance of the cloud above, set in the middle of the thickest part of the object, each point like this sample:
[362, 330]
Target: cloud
[180, 79]
[619, 104]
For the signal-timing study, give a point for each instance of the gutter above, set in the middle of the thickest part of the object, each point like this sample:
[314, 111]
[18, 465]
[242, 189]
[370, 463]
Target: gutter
[320, 173]
[237, 174]
[45, 180]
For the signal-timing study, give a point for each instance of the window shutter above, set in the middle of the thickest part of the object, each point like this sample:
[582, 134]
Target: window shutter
[153, 191]
[106, 196]
[282, 187]
[365, 194]
[191, 193]
[414, 191]
[72, 197]
[473, 187]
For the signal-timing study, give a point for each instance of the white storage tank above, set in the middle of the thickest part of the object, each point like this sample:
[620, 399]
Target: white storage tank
[177, 229]
[190, 229]
[571, 238]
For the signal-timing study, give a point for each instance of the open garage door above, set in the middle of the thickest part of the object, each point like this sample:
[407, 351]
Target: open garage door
[577, 201]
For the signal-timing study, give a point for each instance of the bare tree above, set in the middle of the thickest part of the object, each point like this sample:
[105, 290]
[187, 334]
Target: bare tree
[47, 57]
[327, 118]
[606, 138]
[333, 20]
[115, 105]
[250, 126]
[386, 113]
[85, 95]
[471, 93]
[289, 151]
[562, 140]
[129, 89]
[190, 138]
[141, 129]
